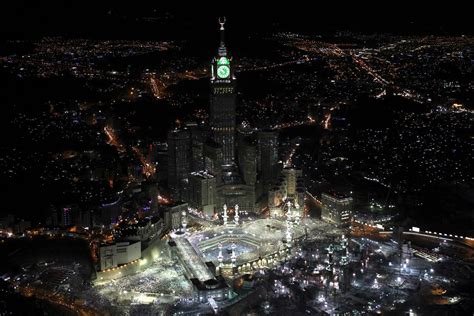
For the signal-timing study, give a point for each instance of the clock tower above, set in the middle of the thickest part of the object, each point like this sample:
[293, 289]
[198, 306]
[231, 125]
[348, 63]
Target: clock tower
[223, 101]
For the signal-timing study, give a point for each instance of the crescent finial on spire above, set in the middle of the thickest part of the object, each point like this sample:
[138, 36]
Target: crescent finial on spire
[222, 22]
[222, 49]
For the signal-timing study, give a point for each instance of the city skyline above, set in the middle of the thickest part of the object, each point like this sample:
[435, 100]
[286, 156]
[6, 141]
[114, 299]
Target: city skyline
[235, 165]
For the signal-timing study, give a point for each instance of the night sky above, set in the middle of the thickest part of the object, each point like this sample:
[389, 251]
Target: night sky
[107, 19]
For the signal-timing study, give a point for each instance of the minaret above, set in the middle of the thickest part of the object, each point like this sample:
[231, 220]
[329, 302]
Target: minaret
[225, 215]
[288, 213]
[330, 259]
[288, 225]
[233, 257]
[184, 221]
[297, 214]
[344, 244]
[288, 236]
[345, 273]
[220, 257]
[236, 217]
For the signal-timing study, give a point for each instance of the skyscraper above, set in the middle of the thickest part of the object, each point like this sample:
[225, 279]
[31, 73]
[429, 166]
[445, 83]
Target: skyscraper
[289, 185]
[246, 152]
[223, 101]
[203, 192]
[197, 146]
[212, 157]
[200, 157]
[267, 157]
[179, 160]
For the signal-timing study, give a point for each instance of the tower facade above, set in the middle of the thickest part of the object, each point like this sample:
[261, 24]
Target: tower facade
[207, 168]
[223, 101]
[203, 192]
[337, 208]
[267, 162]
[179, 160]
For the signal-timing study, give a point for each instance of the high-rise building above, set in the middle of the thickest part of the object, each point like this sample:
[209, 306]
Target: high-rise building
[223, 101]
[109, 213]
[289, 185]
[337, 208]
[86, 218]
[173, 215]
[179, 160]
[231, 167]
[71, 215]
[198, 137]
[293, 180]
[7, 221]
[231, 186]
[267, 159]
[212, 159]
[234, 193]
[159, 157]
[203, 192]
[247, 155]
[54, 216]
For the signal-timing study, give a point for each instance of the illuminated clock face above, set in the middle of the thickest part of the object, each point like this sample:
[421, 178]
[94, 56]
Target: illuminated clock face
[223, 71]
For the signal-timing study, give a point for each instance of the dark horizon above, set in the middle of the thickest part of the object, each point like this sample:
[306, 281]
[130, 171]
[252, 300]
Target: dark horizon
[152, 21]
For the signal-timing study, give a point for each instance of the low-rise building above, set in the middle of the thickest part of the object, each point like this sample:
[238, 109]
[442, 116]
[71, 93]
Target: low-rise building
[113, 255]
[337, 208]
[201, 274]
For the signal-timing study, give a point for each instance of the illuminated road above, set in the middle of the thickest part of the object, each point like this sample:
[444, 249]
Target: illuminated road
[113, 139]
[327, 121]
[289, 160]
[367, 230]
[332, 50]
[158, 88]
[159, 84]
[301, 60]
[309, 121]
[148, 168]
[362, 64]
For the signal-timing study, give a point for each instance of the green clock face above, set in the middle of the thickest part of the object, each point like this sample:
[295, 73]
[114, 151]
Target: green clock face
[223, 61]
[223, 71]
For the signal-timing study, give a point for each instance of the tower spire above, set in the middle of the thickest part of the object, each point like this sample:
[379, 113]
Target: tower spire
[222, 49]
